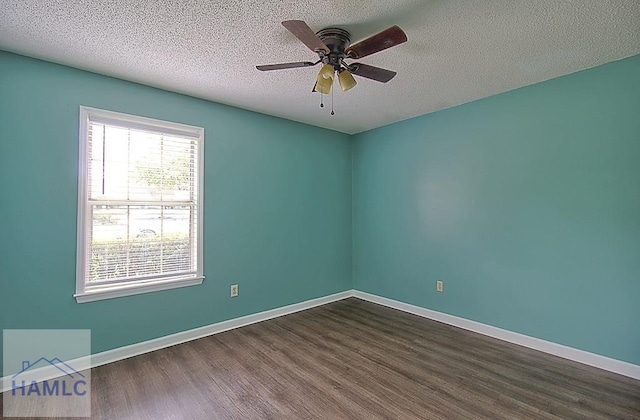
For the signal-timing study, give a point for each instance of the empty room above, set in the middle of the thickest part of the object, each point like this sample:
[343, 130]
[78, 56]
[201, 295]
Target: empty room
[320, 210]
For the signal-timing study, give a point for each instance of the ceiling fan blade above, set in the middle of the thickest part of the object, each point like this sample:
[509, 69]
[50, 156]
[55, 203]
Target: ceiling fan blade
[371, 72]
[304, 33]
[386, 39]
[281, 66]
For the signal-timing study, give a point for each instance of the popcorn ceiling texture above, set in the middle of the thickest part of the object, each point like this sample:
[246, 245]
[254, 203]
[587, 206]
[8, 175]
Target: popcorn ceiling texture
[458, 51]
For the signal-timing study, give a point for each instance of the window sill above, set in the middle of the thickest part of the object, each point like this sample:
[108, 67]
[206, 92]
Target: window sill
[110, 292]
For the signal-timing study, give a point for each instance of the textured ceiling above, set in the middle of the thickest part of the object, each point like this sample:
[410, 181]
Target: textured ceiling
[457, 51]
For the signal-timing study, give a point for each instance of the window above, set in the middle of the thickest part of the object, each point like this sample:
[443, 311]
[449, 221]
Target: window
[139, 205]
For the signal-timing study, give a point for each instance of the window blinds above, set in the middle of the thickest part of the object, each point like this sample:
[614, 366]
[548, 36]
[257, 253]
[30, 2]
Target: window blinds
[142, 202]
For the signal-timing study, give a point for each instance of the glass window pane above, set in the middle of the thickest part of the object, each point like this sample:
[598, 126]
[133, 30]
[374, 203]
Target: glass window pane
[141, 200]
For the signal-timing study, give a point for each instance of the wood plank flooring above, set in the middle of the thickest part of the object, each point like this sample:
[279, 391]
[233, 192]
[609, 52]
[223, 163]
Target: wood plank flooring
[356, 360]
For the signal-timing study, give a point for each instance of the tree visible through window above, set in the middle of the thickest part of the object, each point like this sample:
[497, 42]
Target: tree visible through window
[139, 205]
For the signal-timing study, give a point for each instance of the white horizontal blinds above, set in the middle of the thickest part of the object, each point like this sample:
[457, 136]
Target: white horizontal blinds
[142, 203]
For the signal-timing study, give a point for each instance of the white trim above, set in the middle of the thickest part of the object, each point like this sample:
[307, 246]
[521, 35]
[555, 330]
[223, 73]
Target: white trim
[140, 123]
[580, 356]
[86, 293]
[83, 168]
[120, 353]
[130, 289]
[126, 352]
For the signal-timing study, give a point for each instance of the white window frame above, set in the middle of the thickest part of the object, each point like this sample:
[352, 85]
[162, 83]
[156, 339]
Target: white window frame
[86, 293]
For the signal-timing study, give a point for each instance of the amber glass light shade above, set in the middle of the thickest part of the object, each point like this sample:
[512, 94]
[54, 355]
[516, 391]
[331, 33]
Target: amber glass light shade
[325, 79]
[346, 80]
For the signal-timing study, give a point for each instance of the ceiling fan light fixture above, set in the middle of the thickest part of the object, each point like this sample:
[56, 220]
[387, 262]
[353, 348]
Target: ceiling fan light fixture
[346, 80]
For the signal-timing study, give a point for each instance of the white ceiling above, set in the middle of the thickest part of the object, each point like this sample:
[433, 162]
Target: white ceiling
[458, 51]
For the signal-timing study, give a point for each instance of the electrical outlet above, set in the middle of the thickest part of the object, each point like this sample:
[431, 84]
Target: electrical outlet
[439, 286]
[234, 290]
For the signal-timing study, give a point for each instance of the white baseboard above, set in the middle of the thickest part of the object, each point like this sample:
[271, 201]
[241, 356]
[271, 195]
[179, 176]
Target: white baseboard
[581, 356]
[125, 352]
[120, 353]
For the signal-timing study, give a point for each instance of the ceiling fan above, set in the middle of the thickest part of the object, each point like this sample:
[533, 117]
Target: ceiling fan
[333, 46]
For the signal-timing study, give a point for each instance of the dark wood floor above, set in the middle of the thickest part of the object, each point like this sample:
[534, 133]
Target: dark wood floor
[356, 360]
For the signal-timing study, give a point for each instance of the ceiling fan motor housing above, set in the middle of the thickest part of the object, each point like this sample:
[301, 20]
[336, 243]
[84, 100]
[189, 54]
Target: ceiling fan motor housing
[337, 40]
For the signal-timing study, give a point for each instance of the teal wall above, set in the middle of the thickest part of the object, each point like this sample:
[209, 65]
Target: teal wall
[277, 208]
[526, 204]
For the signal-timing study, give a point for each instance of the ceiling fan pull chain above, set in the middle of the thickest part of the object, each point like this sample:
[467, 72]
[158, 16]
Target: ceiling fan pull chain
[321, 103]
[332, 113]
